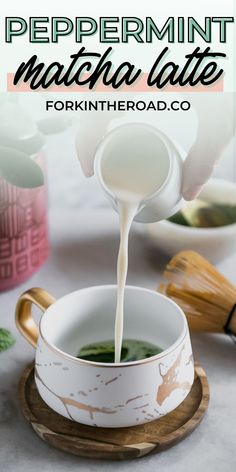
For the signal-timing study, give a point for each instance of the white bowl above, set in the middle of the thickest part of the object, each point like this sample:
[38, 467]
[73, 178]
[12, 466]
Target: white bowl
[213, 243]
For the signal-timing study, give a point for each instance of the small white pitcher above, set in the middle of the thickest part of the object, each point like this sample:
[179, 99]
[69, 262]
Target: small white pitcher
[167, 199]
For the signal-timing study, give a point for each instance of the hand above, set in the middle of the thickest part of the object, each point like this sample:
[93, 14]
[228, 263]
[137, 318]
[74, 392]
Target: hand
[216, 127]
[92, 127]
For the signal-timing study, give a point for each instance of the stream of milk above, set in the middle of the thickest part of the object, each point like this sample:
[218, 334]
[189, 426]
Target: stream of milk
[127, 211]
[133, 169]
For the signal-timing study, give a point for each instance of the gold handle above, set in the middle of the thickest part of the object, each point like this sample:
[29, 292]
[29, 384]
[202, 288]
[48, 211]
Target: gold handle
[24, 320]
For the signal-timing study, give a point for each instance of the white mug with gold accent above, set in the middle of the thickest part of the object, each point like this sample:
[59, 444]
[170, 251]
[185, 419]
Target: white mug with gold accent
[100, 394]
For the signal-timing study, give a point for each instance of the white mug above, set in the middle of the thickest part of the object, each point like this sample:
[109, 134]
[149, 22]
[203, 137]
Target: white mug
[102, 394]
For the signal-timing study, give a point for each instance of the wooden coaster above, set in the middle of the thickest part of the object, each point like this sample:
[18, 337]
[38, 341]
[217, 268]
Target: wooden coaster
[115, 443]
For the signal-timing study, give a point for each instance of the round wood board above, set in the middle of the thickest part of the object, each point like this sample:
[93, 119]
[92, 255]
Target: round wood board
[113, 443]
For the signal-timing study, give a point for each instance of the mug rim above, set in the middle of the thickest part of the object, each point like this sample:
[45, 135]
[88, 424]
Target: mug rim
[147, 360]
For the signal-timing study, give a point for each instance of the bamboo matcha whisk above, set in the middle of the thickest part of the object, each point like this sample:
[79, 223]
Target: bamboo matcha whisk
[207, 298]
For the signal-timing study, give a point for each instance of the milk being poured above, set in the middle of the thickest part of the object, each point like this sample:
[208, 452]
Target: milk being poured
[133, 167]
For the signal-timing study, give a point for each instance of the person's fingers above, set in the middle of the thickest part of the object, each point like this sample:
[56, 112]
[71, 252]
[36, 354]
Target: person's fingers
[195, 174]
[215, 130]
[200, 162]
[91, 129]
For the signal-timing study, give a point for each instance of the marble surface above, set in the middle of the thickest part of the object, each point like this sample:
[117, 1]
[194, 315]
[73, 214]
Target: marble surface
[84, 243]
